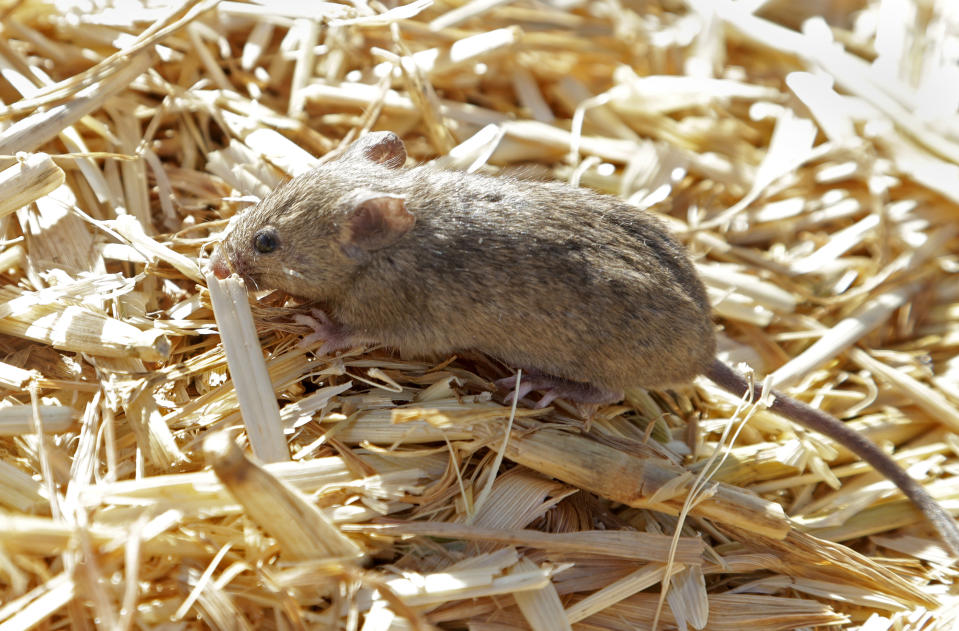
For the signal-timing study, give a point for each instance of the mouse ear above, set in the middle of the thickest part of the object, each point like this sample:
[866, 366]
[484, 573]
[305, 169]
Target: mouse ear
[374, 221]
[381, 147]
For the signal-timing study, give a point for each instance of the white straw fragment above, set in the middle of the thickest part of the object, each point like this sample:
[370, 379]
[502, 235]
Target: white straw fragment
[78, 328]
[844, 334]
[541, 607]
[643, 578]
[38, 605]
[790, 146]
[261, 414]
[922, 395]
[37, 129]
[402, 12]
[32, 177]
[14, 377]
[300, 528]
[463, 13]
[132, 229]
[18, 419]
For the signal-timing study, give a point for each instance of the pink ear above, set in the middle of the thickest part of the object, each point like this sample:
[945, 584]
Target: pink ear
[381, 147]
[375, 221]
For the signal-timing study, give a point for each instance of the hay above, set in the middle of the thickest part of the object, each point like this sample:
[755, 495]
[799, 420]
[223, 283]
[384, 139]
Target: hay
[810, 161]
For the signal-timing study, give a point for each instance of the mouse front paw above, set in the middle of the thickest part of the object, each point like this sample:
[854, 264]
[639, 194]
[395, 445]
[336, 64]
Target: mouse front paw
[335, 336]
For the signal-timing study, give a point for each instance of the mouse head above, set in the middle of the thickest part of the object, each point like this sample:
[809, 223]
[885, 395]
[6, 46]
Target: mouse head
[311, 234]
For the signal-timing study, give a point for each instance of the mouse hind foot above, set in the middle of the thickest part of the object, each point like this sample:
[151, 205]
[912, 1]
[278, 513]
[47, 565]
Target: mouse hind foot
[557, 388]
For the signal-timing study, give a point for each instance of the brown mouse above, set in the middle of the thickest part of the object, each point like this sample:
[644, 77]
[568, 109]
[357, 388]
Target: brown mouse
[584, 292]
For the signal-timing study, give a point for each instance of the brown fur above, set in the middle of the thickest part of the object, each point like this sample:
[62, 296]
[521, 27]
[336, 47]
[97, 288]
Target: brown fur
[543, 276]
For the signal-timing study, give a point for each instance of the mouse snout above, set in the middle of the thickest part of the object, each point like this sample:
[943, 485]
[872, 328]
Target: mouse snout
[221, 269]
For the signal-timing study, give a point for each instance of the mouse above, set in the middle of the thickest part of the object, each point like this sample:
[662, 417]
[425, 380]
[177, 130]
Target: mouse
[584, 292]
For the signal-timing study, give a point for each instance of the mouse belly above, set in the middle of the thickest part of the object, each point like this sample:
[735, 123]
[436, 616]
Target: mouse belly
[608, 344]
[612, 372]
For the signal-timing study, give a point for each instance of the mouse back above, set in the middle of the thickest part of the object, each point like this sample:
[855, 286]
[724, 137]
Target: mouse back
[576, 284]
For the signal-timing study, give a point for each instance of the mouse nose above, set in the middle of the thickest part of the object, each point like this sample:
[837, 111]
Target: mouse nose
[220, 267]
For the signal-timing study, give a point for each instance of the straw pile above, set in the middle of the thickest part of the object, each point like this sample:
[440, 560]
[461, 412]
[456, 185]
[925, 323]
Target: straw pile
[805, 152]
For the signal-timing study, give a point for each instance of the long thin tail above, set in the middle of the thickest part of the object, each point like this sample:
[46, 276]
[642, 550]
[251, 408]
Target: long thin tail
[832, 427]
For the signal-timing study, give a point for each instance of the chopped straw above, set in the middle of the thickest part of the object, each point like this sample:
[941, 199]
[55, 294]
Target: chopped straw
[173, 456]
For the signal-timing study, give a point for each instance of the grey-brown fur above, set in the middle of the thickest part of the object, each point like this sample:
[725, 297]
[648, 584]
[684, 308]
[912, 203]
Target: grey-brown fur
[543, 276]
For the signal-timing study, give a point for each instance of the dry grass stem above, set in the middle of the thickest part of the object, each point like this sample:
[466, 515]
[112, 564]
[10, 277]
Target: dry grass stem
[28, 181]
[300, 529]
[251, 381]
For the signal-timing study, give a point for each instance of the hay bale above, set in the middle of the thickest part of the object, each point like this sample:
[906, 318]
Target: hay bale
[808, 157]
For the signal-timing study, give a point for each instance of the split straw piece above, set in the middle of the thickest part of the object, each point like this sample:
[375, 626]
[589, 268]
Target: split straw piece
[844, 334]
[541, 607]
[623, 544]
[12, 257]
[129, 227]
[32, 177]
[640, 482]
[77, 328]
[463, 13]
[936, 405]
[635, 582]
[38, 604]
[300, 529]
[14, 377]
[251, 381]
[18, 419]
[37, 129]
[28, 534]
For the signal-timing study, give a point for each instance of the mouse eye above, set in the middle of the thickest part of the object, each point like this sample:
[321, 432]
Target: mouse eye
[265, 241]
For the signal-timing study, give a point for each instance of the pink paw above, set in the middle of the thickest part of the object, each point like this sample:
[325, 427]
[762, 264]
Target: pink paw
[335, 335]
[557, 388]
[509, 383]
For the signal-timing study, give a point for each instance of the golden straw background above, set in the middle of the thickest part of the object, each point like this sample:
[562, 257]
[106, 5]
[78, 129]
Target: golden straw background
[807, 153]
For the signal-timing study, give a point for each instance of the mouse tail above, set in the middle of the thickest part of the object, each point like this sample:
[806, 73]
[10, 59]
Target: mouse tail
[819, 421]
